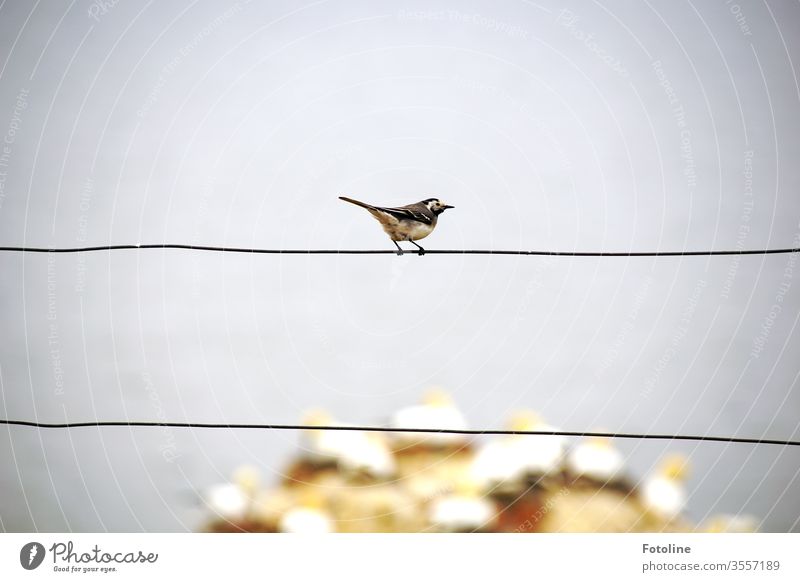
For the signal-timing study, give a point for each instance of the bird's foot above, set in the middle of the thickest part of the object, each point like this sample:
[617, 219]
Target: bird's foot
[421, 250]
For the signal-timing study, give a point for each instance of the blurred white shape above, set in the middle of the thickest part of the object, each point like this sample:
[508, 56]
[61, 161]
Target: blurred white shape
[538, 454]
[248, 479]
[456, 513]
[305, 520]
[368, 453]
[326, 446]
[227, 500]
[463, 510]
[495, 462]
[232, 500]
[665, 493]
[351, 450]
[597, 459]
[516, 457]
[437, 411]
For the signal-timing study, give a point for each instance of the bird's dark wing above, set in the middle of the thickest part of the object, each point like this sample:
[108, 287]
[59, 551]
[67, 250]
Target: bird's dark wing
[409, 213]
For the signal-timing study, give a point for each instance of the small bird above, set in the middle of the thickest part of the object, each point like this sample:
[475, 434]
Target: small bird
[410, 223]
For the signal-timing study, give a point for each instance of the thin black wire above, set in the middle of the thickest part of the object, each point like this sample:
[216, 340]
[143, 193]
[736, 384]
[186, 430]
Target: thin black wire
[706, 438]
[393, 252]
[570, 433]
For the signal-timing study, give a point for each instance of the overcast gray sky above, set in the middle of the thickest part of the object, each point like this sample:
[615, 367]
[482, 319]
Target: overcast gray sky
[548, 125]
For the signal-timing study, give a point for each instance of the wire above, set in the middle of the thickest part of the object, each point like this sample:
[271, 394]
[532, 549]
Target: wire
[725, 439]
[394, 252]
[618, 435]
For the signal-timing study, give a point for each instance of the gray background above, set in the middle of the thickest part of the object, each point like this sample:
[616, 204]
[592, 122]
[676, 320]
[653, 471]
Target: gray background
[624, 126]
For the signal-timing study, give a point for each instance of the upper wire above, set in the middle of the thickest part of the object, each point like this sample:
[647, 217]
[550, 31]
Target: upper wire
[218, 249]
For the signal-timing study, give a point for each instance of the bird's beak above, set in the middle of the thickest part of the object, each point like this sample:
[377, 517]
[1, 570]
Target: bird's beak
[446, 206]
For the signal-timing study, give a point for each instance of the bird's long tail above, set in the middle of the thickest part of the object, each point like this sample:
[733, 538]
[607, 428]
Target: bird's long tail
[357, 203]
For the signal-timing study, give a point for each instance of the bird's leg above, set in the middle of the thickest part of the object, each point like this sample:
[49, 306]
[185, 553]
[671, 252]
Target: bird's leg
[399, 249]
[421, 250]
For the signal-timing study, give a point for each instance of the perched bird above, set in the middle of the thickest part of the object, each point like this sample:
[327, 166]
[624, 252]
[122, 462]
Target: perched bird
[410, 223]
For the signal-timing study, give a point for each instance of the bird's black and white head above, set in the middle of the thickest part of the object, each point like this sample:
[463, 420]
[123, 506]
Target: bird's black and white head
[435, 205]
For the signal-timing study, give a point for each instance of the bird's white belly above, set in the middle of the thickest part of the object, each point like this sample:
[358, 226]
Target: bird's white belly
[408, 230]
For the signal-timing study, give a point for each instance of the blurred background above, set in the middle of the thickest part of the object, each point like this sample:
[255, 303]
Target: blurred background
[548, 125]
